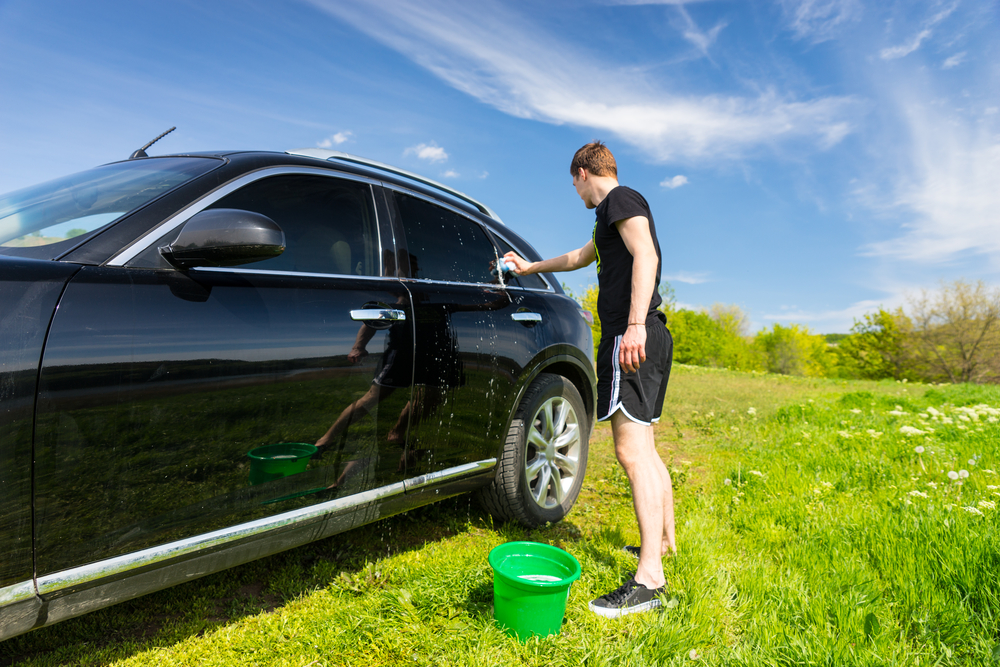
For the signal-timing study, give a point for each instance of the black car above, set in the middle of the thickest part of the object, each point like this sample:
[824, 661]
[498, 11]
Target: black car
[209, 358]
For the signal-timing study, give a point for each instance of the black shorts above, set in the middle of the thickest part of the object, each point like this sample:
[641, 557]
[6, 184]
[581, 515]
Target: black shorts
[639, 395]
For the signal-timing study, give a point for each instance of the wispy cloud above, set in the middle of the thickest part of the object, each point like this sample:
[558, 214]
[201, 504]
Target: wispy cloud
[335, 139]
[430, 152]
[819, 20]
[675, 182]
[954, 61]
[451, 173]
[927, 29]
[950, 188]
[688, 277]
[692, 33]
[499, 57]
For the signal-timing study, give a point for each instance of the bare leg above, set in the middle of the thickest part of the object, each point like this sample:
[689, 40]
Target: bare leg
[352, 412]
[637, 455]
[669, 541]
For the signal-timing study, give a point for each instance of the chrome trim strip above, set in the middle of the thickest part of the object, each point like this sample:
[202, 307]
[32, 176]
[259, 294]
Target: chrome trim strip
[526, 317]
[119, 565]
[300, 274]
[178, 219]
[450, 473]
[327, 154]
[15, 593]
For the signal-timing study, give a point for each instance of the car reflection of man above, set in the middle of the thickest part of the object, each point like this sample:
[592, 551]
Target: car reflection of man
[633, 359]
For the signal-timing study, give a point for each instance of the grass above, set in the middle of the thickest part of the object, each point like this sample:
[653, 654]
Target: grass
[811, 532]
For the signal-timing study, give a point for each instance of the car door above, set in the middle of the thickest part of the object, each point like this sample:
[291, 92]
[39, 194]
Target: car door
[471, 341]
[157, 385]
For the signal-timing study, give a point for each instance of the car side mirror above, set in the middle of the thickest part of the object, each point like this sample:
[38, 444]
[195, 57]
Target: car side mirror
[225, 237]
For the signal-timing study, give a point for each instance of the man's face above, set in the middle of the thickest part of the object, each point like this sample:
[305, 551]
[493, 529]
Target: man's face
[582, 184]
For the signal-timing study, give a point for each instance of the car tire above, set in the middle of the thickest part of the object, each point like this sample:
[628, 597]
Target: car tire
[540, 472]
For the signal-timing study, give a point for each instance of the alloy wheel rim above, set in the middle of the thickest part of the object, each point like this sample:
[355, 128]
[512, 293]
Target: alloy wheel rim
[552, 456]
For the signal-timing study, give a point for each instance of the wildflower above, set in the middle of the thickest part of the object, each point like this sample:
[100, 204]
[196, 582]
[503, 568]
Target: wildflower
[987, 504]
[919, 449]
[873, 433]
[826, 484]
[727, 481]
[933, 485]
[909, 430]
[694, 654]
[856, 411]
[948, 420]
[972, 462]
[897, 412]
[751, 411]
[964, 418]
[989, 472]
[952, 475]
[844, 434]
[992, 487]
[756, 472]
[918, 494]
[972, 510]
[933, 412]
[963, 473]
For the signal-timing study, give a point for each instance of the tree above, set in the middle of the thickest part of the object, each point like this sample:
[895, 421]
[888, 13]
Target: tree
[794, 350]
[879, 346]
[956, 332]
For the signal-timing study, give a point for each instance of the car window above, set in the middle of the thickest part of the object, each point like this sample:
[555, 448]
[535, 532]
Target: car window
[444, 245]
[329, 223]
[533, 281]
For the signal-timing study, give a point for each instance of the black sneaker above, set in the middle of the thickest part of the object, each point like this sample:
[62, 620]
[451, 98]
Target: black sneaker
[631, 551]
[629, 598]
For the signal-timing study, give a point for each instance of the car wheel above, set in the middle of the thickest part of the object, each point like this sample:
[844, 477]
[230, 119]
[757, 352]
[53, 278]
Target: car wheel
[544, 458]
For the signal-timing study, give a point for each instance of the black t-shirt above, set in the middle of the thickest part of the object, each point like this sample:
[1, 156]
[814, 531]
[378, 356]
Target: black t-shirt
[614, 261]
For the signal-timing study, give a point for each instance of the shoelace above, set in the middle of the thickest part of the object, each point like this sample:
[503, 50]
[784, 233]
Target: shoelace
[617, 596]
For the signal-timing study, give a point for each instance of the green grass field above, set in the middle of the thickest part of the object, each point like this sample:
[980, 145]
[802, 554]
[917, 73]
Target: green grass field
[820, 522]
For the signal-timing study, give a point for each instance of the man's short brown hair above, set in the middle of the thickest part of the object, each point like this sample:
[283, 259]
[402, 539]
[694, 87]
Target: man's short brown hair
[596, 159]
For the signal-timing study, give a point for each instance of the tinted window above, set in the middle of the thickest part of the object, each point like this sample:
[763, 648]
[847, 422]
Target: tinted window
[444, 245]
[329, 223]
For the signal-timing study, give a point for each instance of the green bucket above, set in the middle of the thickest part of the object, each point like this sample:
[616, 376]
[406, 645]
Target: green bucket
[279, 460]
[530, 587]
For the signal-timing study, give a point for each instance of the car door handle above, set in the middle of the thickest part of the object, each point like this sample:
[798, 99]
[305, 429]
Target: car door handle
[526, 317]
[378, 315]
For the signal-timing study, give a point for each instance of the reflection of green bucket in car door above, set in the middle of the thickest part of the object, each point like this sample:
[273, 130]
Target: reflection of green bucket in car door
[279, 460]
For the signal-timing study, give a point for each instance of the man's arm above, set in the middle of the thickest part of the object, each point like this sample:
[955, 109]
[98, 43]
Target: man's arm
[571, 261]
[639, 241]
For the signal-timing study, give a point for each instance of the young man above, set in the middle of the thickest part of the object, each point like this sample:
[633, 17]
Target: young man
[633, 359]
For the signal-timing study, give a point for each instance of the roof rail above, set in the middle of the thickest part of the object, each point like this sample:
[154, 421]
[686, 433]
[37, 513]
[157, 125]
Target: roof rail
[327, 154]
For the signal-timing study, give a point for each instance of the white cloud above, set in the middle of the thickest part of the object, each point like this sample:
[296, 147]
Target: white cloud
[926, 31]
[949, 188]
[335, 139]
[675, 182]
[451, 173]
[954, 60]
[651, 2]
[819, 20]
[430, 152]
[692, 33]
[688, 277]
[500, 58]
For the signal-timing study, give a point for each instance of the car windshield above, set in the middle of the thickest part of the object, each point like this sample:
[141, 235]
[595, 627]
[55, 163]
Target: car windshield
[82, 203]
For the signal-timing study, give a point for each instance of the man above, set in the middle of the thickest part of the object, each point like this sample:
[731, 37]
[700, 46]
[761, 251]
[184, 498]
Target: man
[633, 359]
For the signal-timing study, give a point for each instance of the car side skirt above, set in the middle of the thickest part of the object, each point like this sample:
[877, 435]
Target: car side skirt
[55, 597]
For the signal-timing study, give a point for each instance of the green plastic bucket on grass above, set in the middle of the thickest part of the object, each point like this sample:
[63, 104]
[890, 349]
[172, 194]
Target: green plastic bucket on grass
[279, 460]
[530, 587]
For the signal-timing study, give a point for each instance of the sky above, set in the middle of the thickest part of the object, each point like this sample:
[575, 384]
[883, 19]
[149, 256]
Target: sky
[807, 160]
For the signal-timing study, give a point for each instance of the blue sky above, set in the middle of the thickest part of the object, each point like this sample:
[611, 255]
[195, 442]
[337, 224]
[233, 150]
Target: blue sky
[808, 160]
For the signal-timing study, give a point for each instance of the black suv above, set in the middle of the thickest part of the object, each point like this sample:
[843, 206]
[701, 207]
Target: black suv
[209, 358]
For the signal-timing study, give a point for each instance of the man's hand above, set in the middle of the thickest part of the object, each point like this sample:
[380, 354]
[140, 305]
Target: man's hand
[356, 354]
[521, 265]
[632, 351]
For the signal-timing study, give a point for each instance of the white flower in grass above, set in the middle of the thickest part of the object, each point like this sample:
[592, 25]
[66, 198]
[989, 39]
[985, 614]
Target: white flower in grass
[948, 420]
[844, 434]
[918, 494]
[919, 449]
[727, 481]
[992, 487]
[756, 472]
[751, 411]
[952, 475]
[972, 462]
[933, 412]
[963, 428]
[964, 418]
[855, 411]
[933, 485]
[694, 654]
[963, 473]
[987, 504]
[897, 412]
[909, 430]
[989, 472]
[973, 510]
[874, 433]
